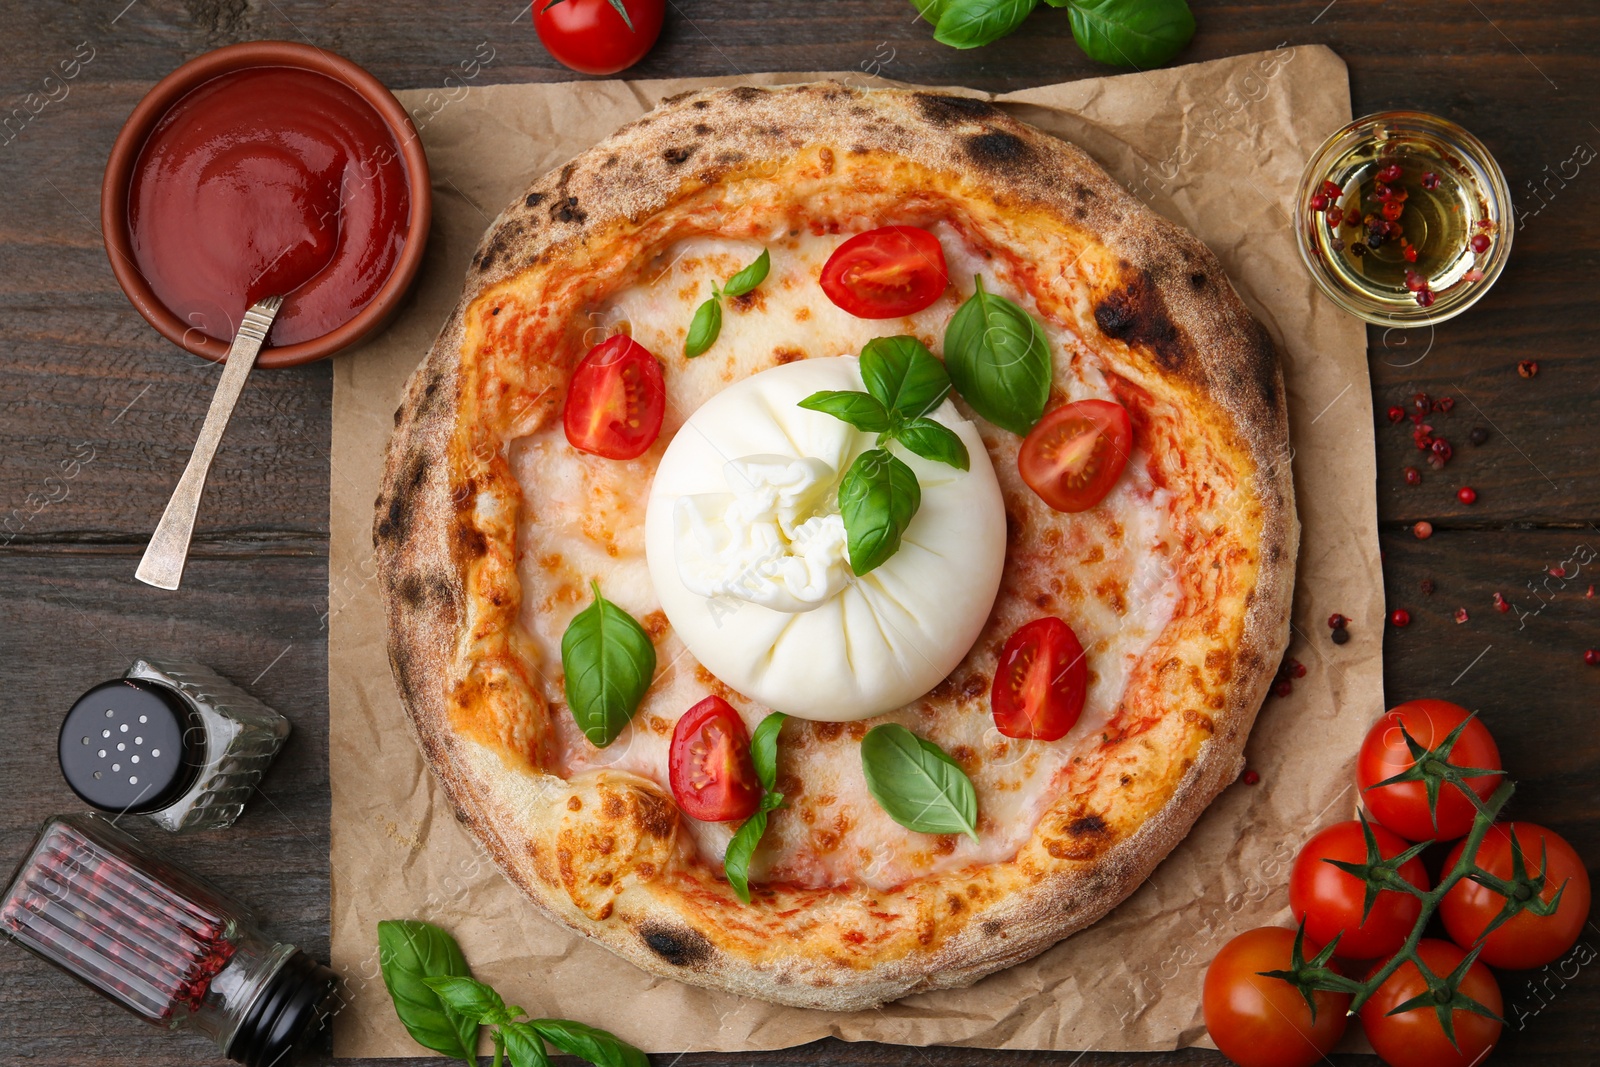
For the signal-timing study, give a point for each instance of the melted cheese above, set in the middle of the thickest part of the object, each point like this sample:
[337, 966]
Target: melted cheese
[1107, 572]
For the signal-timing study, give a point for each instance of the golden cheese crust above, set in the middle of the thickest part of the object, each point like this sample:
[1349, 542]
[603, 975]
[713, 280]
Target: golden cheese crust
[605, 852]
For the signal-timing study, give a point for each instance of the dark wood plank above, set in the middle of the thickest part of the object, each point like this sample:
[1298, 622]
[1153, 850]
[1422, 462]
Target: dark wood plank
[99, 414]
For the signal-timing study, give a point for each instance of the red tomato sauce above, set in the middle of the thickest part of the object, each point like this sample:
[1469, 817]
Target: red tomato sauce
[263, 182]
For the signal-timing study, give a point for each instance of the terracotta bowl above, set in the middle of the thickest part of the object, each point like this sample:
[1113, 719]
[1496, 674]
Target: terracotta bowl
[159, 100]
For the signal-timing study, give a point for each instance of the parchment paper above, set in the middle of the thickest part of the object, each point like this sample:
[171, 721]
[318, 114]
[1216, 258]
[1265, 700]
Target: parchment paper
[1216, 146]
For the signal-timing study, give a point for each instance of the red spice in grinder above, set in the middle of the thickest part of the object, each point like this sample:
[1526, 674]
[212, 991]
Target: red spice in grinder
[164, 944]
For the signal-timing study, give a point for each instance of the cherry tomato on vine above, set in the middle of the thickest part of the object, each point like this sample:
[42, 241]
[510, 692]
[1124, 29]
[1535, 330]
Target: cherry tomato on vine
[592, 37]
[1403, 807]
[709, 765]
[1330, 900]
[1264, 1022]
[1040, 682]
[1076, 453]
[1525, 940]
[616, 400]
[1414, 1038]
[886, 273]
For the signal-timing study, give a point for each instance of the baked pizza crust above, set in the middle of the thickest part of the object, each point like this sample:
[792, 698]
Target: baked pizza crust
[604, 853]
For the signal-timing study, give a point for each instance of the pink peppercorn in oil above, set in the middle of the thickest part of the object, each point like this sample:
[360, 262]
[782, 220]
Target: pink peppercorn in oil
[1401, 221]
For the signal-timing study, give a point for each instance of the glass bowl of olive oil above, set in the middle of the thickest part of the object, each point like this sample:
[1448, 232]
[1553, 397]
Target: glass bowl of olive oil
[1403, 218]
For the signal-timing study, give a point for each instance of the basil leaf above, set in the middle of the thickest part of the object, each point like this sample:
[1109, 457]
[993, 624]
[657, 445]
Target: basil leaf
[703, 328]
[524, 1046]
[903, 375]
[471, 998]
[935, 441]
[410, 951]
[919, 786]
[750, 277]
[999, 360]
[609, 661]
[597, 1046]
[1131, 33]
[860, 410]
[929, 10]
[764, 749]
[736, 861]
[970, 23]
[877, 499]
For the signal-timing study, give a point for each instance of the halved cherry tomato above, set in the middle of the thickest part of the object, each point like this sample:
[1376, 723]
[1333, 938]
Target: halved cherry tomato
[590, 35]
[1040, 682]
[1403, 807]
[709, 766]
[1264, 1022]
[1525, 940]
[1414, 1038]
[1076, 453]
[616, 400]
[886, 273]
[1330, 900]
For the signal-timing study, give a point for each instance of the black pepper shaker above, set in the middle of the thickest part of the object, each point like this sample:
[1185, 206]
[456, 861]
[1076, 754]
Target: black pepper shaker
[174, 742]
[163, 943]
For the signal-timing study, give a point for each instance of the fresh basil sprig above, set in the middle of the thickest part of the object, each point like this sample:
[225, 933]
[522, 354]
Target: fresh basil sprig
[706, 325]
[764, 754]
[608, 661]
[441, 1006]
[917, 784]
[999, 360]
[877, 499]
[1122, 33]
[905, 383]
[409, 952]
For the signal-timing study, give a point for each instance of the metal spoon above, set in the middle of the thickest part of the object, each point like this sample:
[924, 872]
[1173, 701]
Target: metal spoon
[162, 565]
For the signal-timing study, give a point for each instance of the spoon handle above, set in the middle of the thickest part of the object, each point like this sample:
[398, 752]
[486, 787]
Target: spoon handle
[162, 565]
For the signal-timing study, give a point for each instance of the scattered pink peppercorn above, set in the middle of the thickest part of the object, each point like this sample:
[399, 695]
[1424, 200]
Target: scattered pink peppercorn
[1283, 688]
[1423, 530]
[1467, 495]
[1427, 586]
[1500, 604]
[1413, 476]
[1485, 224]
[1425, 298]
[1420, 402]
[1480, 243]
[1250, 777]
[1336, 621]
[1397, 414]
[1352, 217]
[1400, 618]
[1430, 180]
[1461, 616]
[1590, 594]
[1558, 572]
[1410, 253]
[1382, 193]
[1473, 275]
[1442, 449]
[1331, 191]
[1391, 173]
[1394, 209]
[1446, 404]
[1592, 657]
[1319, 203]
[1528, 368]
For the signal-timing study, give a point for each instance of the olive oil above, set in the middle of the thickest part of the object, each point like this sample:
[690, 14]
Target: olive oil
[1400, 222]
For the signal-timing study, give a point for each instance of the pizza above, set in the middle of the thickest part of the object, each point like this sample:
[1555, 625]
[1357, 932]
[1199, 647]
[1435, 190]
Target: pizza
[839, 542]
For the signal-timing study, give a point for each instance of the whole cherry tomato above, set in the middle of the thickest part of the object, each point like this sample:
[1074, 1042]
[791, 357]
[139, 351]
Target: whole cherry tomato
[1076, 453]
[1414, 1038]
[1264, 1022]
[1330, 900]
[593, 36]
[1525, 940]
[1403, 807]
[1040, 683]
[616, 400]
[709, 765]
[886, 273]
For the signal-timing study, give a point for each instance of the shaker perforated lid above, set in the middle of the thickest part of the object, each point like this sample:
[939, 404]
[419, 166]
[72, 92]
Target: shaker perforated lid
[131, 746]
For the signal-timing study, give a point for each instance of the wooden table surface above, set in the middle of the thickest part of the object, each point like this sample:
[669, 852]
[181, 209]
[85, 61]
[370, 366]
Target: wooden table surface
[100, 413]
